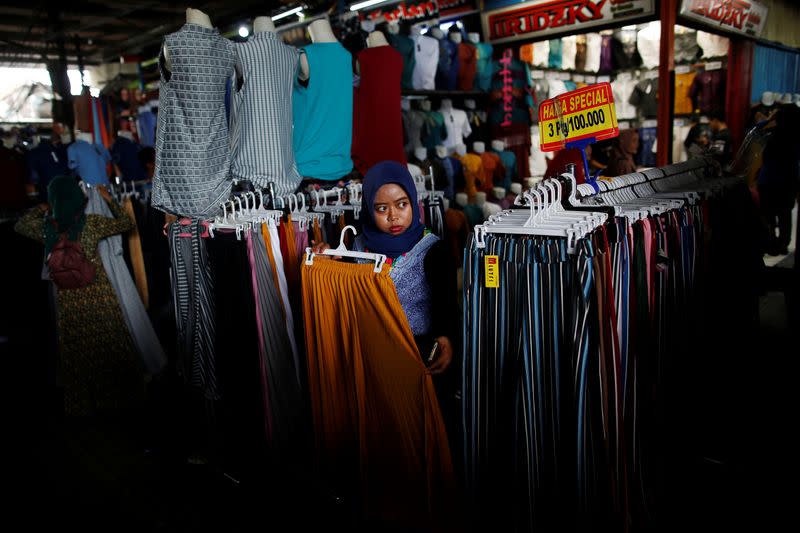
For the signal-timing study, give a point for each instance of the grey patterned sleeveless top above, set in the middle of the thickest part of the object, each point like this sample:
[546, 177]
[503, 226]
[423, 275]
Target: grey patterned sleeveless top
[261, 114]
[192, 142]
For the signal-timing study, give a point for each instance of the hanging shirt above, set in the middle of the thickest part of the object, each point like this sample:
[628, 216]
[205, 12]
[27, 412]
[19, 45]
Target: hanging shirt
[580, 53]
[483, 78]
[261, 114]
[405, 47]
[447, 70]
[426, 59]
[509, 161]
[647, 42]
[568, 51]
[457, 124]
[434, 131]
[708, 91]
[467, 66]
[554, 59]
[644, 98]
[479, 126]
[712, 45]
[594, 46]
[625, 54]
[193, 146]
[686, 48]
[473, 173]
[89, 161]
[322, 110]
[541, 54]
[622, 90]
[416, 122]
[454, 171]
[45, 162]
[125, 154]
[683, 103]
[377, 125]
[606, 55]
[494, 173]
[146, 126]
[646, 157]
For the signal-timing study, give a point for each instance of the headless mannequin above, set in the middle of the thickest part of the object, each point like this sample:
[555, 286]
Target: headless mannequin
[425, 105]
[461, 199]
[516, 188]
[405, 104]
[421, 153]
[787, 98]
[446, 104]
[321, 32]
[193, 16]
[480, 199]
[374, 40]
[84, 136]
[125, 134]
[474, 38]
[455, 37]
[441, 151]
[10, 141]
[479, 147]
[393, 28]
[469, 104]
[436, 33]
[414, 32]
[498, 192]
[498, 146]
[461, 149]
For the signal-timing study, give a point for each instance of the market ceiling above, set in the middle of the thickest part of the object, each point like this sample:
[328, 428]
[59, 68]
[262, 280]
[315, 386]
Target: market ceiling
[104, 31]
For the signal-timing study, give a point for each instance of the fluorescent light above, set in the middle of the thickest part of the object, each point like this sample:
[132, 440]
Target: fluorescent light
[288, 13]
[361, 5]
[243, 31]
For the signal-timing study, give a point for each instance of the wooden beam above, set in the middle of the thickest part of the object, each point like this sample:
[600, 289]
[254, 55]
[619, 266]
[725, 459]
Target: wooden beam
[666, 81]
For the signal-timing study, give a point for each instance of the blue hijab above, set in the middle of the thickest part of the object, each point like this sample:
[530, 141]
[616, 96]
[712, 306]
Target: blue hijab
[375, 240]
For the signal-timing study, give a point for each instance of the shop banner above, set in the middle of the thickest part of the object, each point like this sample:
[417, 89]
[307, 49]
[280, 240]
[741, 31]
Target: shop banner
[411, 11]
[586, 113]
[538, 18]
[451, 8]
[741, 17]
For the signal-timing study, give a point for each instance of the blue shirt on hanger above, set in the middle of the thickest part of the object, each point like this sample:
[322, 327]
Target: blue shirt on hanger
[89, 161]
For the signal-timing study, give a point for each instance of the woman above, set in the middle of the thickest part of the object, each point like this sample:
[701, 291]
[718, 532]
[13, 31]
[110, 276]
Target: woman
[422, 268]
[99, 366]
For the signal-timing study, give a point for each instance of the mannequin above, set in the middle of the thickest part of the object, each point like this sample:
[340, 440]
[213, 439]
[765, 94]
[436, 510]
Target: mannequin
[414, 32]
[376, 39]
[262, 24]
[489, 208]
[393, 27]
[84, 136]
[480, 199]
[441, 151]
[461, 149]
[437, 33]
[787, 98]
[499, 192]
[425, 105]
[797, 99]
[321, 32]
[474, 38]
[405, 104]
[461, 199]
[193, 16]
[10, 141]
[516, 188]
[127, 134]
[421, 153]
[768, 98]
[498, 146]
[531, 182]
[455, 37]
[469, 103]
[446, 104]
[478, 147]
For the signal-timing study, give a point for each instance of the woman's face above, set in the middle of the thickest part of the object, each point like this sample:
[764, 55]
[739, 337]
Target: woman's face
[392, 209]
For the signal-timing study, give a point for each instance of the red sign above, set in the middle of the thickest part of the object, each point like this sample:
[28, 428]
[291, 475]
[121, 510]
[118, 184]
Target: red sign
[543, 17]
[745, 17]
[586, 113]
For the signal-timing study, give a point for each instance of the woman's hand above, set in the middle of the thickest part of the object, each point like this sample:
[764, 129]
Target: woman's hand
[319, 247]
[445, 356]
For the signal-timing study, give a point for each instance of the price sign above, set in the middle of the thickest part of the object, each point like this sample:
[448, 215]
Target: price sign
[580, 115]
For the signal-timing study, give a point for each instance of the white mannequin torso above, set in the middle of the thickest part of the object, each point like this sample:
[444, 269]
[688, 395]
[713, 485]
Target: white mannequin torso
[441, 151]
[262, 24]
[479, 147]
[498, 146]
[421, 153]
[425, 105]
[461, 149]
[475, 38]
[193, 16]
[321, 32]
[469, 104]
[126, 134]
[446, 105]
[376, 39]
[455, 37]
[437, 33]
[84, 136]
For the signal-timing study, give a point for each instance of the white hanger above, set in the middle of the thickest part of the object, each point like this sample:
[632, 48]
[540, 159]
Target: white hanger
[342, 251]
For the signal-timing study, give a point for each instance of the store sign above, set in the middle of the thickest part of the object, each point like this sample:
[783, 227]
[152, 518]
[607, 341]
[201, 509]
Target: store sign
[536, 18]
[451, 8]
[743, 17]
[413, 11]
[586, 113]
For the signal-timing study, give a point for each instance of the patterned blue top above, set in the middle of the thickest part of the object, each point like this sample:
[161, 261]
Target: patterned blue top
[261, 114]
[192, 143]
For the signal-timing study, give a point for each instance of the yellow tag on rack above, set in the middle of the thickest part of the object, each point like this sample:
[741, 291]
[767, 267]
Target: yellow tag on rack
[586, 113]
[492, 268]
